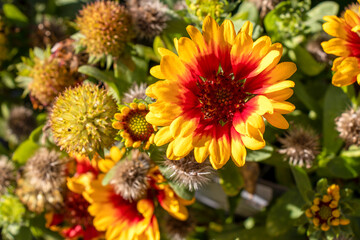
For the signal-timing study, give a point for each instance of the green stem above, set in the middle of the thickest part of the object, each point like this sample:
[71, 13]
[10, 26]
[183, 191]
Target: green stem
[350, 92]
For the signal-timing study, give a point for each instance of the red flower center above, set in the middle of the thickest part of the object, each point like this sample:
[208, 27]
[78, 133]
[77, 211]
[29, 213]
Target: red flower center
[137, 126]
[221, 97]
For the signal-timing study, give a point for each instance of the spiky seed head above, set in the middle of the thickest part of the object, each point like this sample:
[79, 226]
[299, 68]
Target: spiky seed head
[179, 230]
[130, 179]
[348, 125]
[106, 26]
[136, 91]
[300, 146]
[149, 17]
[7, 175]
[21, 122]
[43, 182]
[50, 77]
[47, 33]
[46, 170]
[81, 120]
[189, 173]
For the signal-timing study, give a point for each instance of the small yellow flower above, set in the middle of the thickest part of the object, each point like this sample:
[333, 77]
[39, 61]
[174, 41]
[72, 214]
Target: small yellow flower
[134, 128]
[325, 211]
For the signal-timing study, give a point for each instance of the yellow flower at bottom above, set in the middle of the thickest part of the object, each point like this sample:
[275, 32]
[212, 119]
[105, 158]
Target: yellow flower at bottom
[134, 128]
[325, 211]
[217, 92]
[345, 45]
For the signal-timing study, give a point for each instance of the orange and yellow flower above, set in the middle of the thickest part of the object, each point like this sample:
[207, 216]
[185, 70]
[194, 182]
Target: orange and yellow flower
[217, 91]
[345, 45]
[134, 128]
[123, 219]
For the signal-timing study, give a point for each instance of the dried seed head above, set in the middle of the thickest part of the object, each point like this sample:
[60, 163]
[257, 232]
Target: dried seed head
[7, 174]
[81, 120]
[149, 17]
[136, 91]
[106, 26]
[130, 179]
[21, 122]
[47, 33]
[50, 77]
[179, 230]
[189, 173]
[300, 146]
[348, 125]
[46, 170]
[43, 182]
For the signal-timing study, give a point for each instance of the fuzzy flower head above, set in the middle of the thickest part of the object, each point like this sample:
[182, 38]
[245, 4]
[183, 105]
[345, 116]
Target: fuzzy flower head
[134, 129]
[300, 146]
[325, 211]
[179, 230]
[106, 27]
[81, 120]
[42, 184]
[189, 173]
[49, 78]
[217, 92]
[348, 125]
[149, 17]
[7, 174]
[344, 45]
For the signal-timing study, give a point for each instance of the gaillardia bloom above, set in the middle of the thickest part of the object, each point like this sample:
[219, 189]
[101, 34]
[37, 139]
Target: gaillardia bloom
[325, 211]
[217, 91]
[345, 45]
[134, 128]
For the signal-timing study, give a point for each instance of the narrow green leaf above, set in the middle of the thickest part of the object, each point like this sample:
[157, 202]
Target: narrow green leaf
[306, 62]
[181, 191]
[322, 185]
[109, 175]
[260, 155]
[14, 14]
[35, 134]
[24, 151]
[302, 182]
[96, 73]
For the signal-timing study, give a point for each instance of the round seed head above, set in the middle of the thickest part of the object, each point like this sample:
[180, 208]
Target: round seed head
[81, 120]
[136, 91]
[300, 146]
[106, 26]
[130, 179]
[348, 125]
[149, 17]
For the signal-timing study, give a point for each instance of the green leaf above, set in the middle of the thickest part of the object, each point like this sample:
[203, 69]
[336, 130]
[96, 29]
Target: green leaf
[247, 11]
[24, 151]
[109, 175]
[96, 73]
[182, 192]
[306, 63]
[260, 155]
[305, 97]
[344, 167]
[24, 234]
[231, 179]
[324, 8]
[302, 182]
[352, 207]
[35, 134]
[14, 14]
[335, 103]
[284, 213]
[353, 151]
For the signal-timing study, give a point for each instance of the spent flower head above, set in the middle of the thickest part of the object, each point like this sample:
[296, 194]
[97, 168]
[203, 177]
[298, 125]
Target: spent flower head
[348, 126]
[300, 146]
[21, 122]
[137, 91]
[106, 27]
[179, 230]
[81, 120]
[7, 174]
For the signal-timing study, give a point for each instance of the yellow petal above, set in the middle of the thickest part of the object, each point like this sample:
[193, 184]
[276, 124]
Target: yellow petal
[227, 32]
[163, 136]
[335, 26]
[280, 95]
[336, 46]
[282, 71]
[279, 86]
[197, 37]
[156, 72]
[187, 50]
[201, 149]
[172, 67]
[238, 152]
[183, 145]
[166, 52]
[247, 28]
[210, 30]
[283, 107]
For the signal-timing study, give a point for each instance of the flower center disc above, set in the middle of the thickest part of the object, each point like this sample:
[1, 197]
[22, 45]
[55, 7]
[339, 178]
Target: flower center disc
[221, 97]
[325, 212]
[137, 126]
